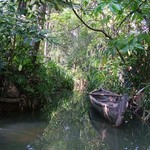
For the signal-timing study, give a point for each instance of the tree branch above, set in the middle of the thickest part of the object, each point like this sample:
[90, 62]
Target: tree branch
[106, 35]
[126, 18]
[137, 10]
[97, 30]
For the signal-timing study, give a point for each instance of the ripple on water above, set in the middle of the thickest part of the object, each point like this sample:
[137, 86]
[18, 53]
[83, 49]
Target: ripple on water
[18, 135]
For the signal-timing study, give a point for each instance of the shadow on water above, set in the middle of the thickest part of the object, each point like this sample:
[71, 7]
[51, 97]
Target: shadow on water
[17, 131]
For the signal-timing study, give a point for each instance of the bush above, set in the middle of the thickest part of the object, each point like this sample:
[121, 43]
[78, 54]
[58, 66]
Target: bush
[44, 81]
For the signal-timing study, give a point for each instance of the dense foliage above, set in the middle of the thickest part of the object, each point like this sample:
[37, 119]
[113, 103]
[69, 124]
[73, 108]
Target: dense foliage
[102, 44]
[126, 26]
[107, 46]
[22, 33]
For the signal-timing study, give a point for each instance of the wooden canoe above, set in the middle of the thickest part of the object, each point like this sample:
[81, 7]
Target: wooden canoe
[110, 105]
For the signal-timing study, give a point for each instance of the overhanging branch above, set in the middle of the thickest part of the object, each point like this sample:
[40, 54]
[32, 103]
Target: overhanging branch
[106, 35]
[126, 17]
[137, 10]
[97, 30]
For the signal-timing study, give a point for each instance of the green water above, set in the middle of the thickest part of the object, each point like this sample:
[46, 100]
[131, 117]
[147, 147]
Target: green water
[18, 132]
[73, 126]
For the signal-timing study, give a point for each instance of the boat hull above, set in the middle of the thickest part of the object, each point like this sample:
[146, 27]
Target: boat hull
[109, 105]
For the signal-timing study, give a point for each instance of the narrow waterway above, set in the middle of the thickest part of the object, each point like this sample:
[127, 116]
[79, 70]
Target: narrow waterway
[73, 126]
[18, 131]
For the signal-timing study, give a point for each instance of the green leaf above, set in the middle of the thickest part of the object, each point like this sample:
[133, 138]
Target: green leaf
[99, 8]
[134, 6]
[104, 60]
[129, 52]
[115, 8]
[138, 46]
[146, 37]
[20, 67]
[85, 2]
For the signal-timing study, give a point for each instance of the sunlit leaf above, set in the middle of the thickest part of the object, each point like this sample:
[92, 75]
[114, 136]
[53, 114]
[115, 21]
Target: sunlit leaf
[20, 67]
[129, 52]
[115, 8]
[146, 37]
[138, 46]
[104, 60]
[99, 8]
[135, 5]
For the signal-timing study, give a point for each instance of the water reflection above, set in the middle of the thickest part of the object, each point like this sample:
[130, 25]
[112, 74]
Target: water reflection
[18, 132]
[131, 136]
[74, 128]
[70, 128]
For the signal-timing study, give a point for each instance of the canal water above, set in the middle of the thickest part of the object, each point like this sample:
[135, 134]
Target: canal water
[18, 131]
[73, 126]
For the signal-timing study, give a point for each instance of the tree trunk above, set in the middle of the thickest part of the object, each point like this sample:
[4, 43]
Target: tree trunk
[22, 7]
[47, 25]
[148, 53]
[40, 21]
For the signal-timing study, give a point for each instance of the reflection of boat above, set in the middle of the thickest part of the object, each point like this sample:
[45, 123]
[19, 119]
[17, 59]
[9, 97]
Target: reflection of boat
[110, 137]
[110, 105]
[132, 135]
